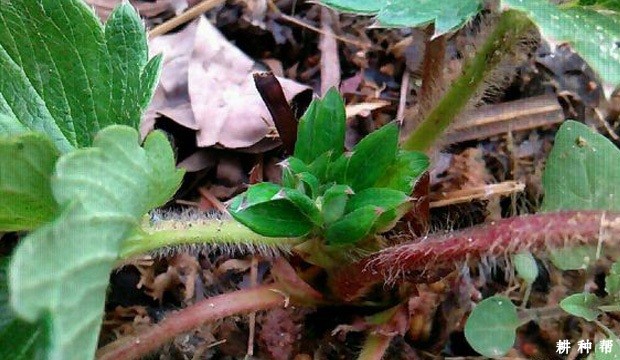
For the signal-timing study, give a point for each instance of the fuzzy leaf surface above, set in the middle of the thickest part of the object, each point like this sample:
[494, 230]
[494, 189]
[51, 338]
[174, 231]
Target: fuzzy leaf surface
[368, 160]
[64, 265]
[404, 172]
[26, 166]
[447, 15]
[67, 76]
[592, 34]
[266, 209]
[322, 128]
[582, 172]
[491, 326]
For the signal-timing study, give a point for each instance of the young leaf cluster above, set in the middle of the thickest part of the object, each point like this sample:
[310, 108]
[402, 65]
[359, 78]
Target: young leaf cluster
[327, 193]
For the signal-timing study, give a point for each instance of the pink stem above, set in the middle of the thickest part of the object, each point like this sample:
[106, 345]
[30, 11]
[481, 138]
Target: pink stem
[428, 258]
[238, 302]
[375, 346]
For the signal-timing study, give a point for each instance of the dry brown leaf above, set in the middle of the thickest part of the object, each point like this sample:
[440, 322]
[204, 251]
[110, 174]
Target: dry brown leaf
[205, 70]
[227, 107]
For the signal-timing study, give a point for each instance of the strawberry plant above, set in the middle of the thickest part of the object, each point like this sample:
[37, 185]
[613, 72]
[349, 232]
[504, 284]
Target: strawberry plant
[76, 178]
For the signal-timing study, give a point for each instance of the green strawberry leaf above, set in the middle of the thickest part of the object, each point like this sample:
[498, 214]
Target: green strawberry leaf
[353, 227]
[321, 128]
[27, 162]
[10, 126]
[582, 172]
[64, 265]
[448, 15]
[67, 76]
[583, 305]
[267, 210]
[19, 340]
[368, 160]
[334, 202]
[393, 204]
[592, 34]
[491, 327]
[362, 7]
[403, 173]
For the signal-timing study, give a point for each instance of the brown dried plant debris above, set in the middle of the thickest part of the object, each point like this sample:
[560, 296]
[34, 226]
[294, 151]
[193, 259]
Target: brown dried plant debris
[207, 86]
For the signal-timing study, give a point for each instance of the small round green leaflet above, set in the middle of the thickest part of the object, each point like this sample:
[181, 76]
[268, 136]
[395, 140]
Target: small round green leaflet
[490, 328]
[583, 305]
[526, 266]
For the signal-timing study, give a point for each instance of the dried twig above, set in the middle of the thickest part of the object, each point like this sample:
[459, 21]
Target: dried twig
[184, 17]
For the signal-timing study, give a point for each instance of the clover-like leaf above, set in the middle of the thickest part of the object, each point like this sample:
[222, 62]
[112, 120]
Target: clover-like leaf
[353, 227]
[582, 172]
[368, 160]
[491, 327]
[64, 265]
[67, 76]
[404, 172]
[27, 162]
[266, 209]
[583, 305]
[334, 202]
[321, 128]
[526, 266]
[393, 204]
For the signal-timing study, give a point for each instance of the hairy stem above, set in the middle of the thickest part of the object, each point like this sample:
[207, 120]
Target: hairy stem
[374, 346]
[427, 259]
[211, 309]
[432, 80]
[209, 232]
[508, 32]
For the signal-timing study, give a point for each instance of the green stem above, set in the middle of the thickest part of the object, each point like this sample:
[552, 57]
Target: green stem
[508, 32]
[227, 233]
